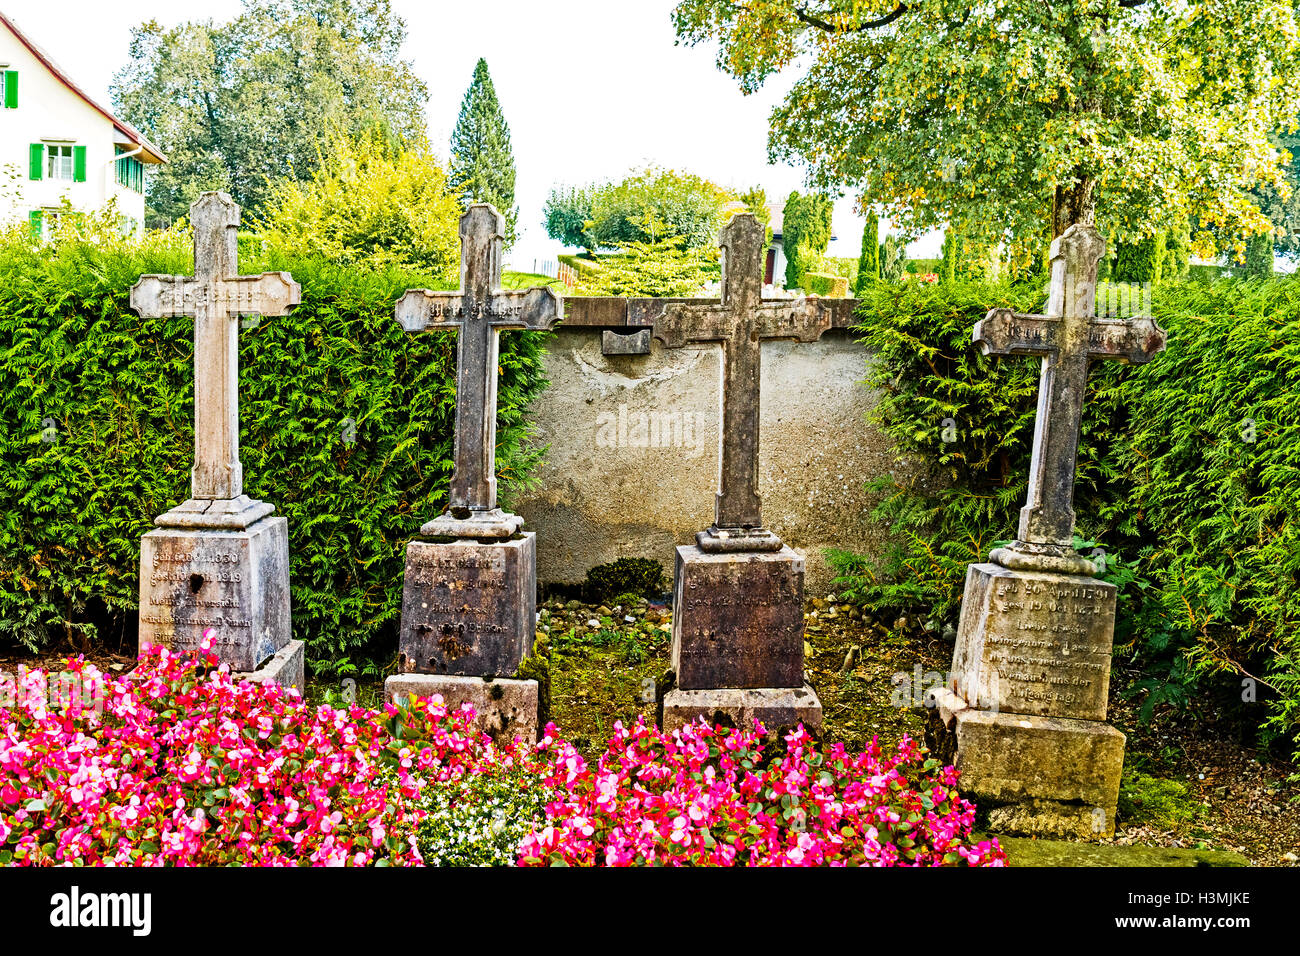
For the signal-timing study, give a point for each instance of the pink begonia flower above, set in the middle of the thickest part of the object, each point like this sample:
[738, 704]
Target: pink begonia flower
[205, 785]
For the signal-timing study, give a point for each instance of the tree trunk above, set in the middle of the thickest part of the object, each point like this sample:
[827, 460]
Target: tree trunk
[1074, 204]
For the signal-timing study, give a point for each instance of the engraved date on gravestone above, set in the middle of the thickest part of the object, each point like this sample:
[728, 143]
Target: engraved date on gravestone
[1036, 643]
[191, 586]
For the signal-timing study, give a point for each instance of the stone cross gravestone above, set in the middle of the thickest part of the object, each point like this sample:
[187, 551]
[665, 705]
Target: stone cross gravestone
[1027, 697]
[219, 560]
[469, 601]
[738, 591]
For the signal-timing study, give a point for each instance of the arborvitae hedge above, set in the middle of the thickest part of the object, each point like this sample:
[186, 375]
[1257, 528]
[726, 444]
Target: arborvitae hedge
[98, 435]
[1188, 476]
[1141, 261]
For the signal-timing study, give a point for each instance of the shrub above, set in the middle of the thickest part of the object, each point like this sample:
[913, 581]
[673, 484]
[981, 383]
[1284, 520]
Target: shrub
[643, 576]
[819, 283]
[346, 426]
[1141, 261]
[369, 203]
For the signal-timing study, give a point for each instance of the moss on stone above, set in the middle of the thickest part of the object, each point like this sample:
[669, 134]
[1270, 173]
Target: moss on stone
[1156, 800]
[1022, 851]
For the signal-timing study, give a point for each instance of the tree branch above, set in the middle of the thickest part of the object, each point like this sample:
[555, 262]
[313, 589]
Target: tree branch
[806, 17]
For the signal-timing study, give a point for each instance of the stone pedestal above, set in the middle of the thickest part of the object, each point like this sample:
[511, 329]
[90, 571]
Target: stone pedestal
[738, 619]
[504, 708]
[469, 616]
[468, 607]
[1029, 690]
[775, 707]
[738, 640]
[234, 582]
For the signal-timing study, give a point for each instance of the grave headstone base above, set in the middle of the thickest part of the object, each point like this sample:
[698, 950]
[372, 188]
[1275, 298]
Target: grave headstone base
[505, 708]
[235, 583]
[469, 607]
[1039, 776]
[738, 619]
[1034, 642]
[778, 708]
[286, 668]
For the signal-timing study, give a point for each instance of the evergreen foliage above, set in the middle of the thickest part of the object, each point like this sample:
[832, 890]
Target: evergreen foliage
[893, 259]
[1141, 261]
[482, 162]
[805, 234]
[869, 260]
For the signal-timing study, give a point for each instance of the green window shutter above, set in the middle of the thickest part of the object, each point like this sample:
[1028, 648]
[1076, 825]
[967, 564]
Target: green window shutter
[38, 161]
[11, 89]
[78, 164]
[37, 222]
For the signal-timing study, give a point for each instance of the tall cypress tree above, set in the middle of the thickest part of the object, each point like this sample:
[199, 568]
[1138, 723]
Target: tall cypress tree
[482, 163]
[869, 260]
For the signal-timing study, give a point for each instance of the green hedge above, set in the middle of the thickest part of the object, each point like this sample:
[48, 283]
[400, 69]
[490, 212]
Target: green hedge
[1201, 526]
[114, 392]
[826, 284]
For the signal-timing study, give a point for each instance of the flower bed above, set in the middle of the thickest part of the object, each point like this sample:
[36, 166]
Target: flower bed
[184, 767]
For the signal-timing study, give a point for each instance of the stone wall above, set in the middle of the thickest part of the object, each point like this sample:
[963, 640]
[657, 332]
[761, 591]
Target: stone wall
[631, 469]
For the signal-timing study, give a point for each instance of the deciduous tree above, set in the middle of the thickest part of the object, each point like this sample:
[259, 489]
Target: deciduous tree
[1024, 117]
[242, 105]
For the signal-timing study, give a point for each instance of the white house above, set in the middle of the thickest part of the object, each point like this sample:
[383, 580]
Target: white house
[57, 143]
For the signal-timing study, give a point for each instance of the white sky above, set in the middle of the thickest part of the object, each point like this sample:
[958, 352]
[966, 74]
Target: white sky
[590, 88]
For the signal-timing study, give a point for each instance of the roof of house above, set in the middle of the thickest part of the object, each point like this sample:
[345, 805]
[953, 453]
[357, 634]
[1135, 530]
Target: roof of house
[151, 153]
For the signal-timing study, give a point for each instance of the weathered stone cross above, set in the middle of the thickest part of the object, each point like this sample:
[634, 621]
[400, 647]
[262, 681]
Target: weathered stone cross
[740, 321]
[481, 310]
[1067, 338]
[216, 295]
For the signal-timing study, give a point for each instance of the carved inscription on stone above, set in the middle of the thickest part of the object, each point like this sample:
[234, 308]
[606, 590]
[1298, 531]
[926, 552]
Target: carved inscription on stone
[467, 608]
[234, 583]
[1041, 644]
[189, 587]
[738, 620]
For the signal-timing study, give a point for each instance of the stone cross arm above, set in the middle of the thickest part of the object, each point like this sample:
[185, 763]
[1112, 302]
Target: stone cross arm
[272, 293]
[537, 308]
[1004, 332]
[802, 319]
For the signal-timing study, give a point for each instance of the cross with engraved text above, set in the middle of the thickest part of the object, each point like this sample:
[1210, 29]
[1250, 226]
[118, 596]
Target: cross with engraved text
[216, 295]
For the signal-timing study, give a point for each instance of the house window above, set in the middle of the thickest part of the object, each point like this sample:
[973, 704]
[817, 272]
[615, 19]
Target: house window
[130, 172]
[45, 223]
[9, 89]
[58, 162]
